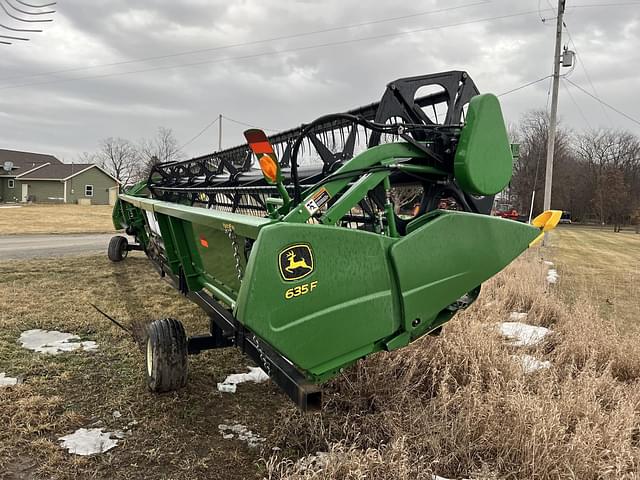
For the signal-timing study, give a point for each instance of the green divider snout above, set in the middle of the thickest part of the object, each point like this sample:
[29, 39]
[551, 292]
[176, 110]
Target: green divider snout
[325, 296]
[447, 254]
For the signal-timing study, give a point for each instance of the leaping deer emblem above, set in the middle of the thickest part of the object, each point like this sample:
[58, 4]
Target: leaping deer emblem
[293, 263]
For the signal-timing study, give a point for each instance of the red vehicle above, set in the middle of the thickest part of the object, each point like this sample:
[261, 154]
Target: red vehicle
[505, 210]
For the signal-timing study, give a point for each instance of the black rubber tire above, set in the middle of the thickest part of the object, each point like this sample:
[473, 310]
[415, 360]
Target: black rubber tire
[166, 355]
[118, 248]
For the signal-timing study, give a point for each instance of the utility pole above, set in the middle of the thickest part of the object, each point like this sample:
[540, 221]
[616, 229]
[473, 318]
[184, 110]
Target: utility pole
[554, 109]
[220, 132]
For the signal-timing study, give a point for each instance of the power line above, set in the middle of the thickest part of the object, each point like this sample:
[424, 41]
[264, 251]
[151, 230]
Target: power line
[542, 19]
[598, 5]
[212, 123]
[295, 49]
[249, 125]
[207, 127]
[523, 86]
[254, 42]
[278, 52]
[620, 112]
[584, 69]
[574, 102]
[549, 92]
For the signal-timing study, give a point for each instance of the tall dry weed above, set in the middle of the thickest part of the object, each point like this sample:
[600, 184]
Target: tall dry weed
[460, 405]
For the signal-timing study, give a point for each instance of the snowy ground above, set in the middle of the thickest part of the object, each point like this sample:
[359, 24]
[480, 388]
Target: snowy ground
[53, 342]
[229, 384]
[90, 441]
[242, 433]
[7, 381]
[522, 334]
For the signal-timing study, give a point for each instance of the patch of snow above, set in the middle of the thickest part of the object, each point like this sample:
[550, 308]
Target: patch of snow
[552, 275]
[547, 262]
[517, 316]
[89, 441]
[523, 335]
[256, 374]
[53, 342]
[227, 387]
[116, 414]
[531, 364]
[7, 381]
[242, 433]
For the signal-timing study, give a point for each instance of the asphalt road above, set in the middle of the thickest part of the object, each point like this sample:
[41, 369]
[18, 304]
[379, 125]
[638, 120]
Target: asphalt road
[40, 246]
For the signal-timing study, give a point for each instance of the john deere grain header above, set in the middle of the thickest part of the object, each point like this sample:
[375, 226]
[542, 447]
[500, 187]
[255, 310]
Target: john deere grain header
[317, 246]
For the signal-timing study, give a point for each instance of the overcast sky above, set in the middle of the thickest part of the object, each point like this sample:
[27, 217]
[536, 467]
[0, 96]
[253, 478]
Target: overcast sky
[244, 68]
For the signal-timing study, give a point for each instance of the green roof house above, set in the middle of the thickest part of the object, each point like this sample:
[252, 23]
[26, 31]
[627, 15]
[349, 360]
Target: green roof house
[39, 178]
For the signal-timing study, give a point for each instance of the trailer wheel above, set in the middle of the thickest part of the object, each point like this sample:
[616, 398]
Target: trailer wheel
[166, 355]
[118, 248]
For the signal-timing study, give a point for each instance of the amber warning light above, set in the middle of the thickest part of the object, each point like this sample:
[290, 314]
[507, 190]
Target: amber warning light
[269, 168]
[260, 145]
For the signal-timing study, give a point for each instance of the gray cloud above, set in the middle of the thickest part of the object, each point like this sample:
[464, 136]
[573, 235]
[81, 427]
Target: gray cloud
[69, 112]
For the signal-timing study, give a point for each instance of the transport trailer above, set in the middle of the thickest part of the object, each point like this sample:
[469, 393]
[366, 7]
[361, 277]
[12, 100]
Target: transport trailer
[315, 247]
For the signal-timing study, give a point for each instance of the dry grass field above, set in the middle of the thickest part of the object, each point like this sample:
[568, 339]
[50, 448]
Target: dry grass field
[173, 435]
[458, 405]
[55, 219]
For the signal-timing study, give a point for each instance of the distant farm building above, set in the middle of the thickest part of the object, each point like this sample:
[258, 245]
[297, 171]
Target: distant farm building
[39, 178]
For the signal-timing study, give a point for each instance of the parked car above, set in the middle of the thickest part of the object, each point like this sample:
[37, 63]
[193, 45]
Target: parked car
[566, 218]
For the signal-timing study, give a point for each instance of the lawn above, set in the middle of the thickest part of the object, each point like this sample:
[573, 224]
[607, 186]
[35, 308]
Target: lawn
[602, 266]
[44, 219]
[172, 435]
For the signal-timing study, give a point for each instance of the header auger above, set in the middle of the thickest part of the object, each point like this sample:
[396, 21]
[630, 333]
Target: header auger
[359, 232]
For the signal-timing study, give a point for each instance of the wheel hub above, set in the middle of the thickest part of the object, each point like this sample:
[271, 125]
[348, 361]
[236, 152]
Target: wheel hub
[149, 357]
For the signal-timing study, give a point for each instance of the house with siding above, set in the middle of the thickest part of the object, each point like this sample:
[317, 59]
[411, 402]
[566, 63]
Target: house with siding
[40, 178]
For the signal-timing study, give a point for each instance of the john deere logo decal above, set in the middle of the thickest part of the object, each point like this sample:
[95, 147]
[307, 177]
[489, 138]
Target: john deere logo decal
[296, 262]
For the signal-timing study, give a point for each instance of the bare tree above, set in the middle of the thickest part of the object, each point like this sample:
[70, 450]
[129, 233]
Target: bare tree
[406, 198]
[596, 173]
[612, 160]
[611, 198]
[529, 168]
[160, 149]
[88, 157]
[120, 158]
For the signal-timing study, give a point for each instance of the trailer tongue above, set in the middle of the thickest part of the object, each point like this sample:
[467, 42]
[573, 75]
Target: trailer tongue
[315, 247]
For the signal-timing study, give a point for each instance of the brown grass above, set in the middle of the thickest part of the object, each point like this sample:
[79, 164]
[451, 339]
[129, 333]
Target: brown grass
[175, 435]
[50, 219]
[458, 405]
